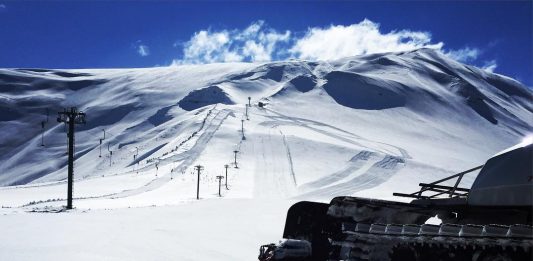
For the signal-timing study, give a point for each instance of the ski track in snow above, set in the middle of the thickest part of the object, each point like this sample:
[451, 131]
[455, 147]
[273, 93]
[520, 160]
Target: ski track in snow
[377, 174]
[272, 180]
[358, 164]
[363, 171]
[352, 138]
[289, 158]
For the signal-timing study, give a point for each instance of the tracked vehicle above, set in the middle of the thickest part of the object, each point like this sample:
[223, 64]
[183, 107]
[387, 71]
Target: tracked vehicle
[492, 220]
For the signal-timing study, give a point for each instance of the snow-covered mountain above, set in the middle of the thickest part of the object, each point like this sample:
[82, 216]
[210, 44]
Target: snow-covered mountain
[363, 126]
[418, 107]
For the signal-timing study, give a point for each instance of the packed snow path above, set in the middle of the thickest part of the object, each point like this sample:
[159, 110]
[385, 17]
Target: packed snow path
[274, 177]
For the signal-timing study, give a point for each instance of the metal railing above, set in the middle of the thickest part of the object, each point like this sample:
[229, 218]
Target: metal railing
[440, 189]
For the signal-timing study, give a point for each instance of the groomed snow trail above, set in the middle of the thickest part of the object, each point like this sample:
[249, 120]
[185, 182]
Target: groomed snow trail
[274, 176]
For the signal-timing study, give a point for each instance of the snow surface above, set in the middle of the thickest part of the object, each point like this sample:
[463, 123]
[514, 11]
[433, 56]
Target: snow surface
[363, 126]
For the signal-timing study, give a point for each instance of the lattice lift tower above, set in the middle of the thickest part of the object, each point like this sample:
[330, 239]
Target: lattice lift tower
[71, 117]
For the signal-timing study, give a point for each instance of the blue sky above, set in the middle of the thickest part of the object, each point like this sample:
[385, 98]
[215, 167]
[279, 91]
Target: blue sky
[493, 35]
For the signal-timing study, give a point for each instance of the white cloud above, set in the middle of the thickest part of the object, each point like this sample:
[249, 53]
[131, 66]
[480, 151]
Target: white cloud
[339, 41]
[3, 6]
[257, 42]
[490, 66]
[143, 50]
[207, 47]
[466, 54]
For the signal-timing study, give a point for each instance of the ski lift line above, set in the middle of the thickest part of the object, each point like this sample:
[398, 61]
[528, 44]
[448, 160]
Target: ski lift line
[81, 134]
[99, 136]
[163, 161]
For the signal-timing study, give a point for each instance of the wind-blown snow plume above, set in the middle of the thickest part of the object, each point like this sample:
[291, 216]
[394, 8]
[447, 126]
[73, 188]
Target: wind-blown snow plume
[338, 41]
[490, 66]
[466, 54]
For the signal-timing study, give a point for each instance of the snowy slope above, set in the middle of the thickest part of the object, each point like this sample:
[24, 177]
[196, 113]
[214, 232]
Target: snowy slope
[158, 109]
[363, 126]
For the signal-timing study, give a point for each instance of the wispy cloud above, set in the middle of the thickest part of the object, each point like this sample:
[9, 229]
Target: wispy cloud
[490, 66]
[260, 42]
[3, 6]
[142, 49]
